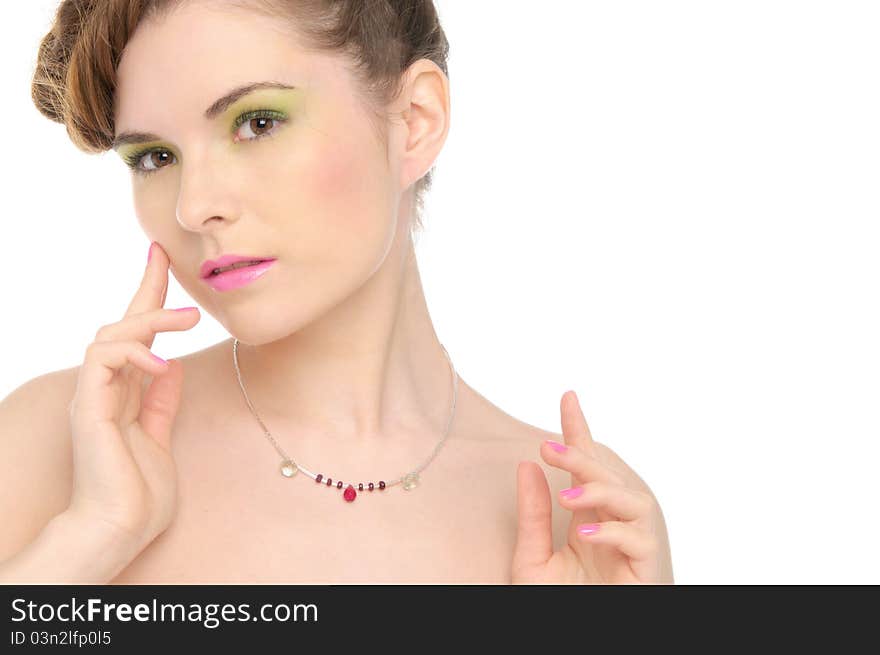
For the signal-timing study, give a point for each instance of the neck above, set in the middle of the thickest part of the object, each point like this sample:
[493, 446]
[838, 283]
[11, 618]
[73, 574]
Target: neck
[369, 371]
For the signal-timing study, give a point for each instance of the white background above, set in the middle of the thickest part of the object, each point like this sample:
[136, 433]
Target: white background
[669, 207]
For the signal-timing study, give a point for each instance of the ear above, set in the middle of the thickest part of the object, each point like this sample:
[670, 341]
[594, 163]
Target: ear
[425, 112]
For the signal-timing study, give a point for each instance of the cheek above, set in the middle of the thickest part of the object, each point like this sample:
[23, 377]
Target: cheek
[347, 188]
[151, 203]
[352, 226]
[337, 175]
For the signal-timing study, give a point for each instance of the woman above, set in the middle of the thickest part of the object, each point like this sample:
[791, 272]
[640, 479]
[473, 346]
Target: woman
[293, 141]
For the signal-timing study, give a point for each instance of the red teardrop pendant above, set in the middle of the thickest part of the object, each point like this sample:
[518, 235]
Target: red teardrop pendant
[350, 494]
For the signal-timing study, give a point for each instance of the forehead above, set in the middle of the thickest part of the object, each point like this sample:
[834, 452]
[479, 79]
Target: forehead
[177, 64]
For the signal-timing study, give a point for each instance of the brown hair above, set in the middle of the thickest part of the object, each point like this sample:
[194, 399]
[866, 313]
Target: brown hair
[75, 75]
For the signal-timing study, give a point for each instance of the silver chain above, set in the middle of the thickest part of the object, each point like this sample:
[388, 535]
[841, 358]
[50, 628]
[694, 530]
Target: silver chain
[412, 475]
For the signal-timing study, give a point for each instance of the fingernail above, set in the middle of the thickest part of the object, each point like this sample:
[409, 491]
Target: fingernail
[158, 359]
[555, 445]
[150, 252]
[588, 528]
[184, 309]
[571, 492]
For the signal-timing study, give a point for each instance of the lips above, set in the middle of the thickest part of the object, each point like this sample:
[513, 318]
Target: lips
[239, 277]
[223, 269]
[209, 266]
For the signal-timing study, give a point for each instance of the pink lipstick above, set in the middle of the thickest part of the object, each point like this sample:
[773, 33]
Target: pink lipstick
[234, 271]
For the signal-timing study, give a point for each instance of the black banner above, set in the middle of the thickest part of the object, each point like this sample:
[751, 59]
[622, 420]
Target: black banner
[412, 619]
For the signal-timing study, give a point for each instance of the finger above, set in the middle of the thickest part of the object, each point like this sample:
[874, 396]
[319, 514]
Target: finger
[160, 404]
[144, 327]
[101, 362]
[617, 500]
[574, 424]
[583, 467]
[534, 540]
[632, 541]
[149, 295]
[151, 292]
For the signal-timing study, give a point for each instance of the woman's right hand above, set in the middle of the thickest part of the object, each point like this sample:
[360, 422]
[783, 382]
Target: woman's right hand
[124, 477]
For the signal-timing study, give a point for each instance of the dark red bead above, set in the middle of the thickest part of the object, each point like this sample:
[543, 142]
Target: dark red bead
[318, 479]
[371, 486]
[329, 481]
[360, 486]
[381, 484]
[339, 485]
[350, 494]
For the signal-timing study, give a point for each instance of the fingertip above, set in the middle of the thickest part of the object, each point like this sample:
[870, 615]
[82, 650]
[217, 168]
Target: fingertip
[570, 398]
[523, 467]
[154, 250]
[158, 252]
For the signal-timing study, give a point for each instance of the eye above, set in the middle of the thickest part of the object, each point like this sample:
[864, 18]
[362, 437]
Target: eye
[254, 124]
[153, 157]
[258, 123]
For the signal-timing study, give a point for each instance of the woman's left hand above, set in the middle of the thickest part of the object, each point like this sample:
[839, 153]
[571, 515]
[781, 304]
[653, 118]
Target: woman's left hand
[630, 545]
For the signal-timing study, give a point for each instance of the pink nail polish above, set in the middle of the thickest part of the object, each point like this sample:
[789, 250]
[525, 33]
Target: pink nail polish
[588, 528]
[183, 309]
[150, 252]
[571, 492]
[159, 359]
[555, 445]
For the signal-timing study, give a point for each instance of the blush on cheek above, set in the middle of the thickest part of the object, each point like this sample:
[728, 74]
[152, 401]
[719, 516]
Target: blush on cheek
[344, 183]
[336, 173]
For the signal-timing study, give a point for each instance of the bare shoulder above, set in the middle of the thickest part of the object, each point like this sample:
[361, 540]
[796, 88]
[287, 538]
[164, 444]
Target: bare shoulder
[522, 441]
[36, 454]
[52, 393]
[37, 407]
[532, 437]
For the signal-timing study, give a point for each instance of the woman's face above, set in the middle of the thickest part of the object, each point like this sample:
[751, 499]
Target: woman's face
[304, 180]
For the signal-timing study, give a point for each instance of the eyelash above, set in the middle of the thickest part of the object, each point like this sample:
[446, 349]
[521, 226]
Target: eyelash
[134, 159]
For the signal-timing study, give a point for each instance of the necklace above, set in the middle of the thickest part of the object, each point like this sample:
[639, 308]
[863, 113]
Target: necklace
[289, 467]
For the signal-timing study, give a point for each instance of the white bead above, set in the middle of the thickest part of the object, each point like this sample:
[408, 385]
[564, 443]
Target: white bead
[411, 481]
[288, 468]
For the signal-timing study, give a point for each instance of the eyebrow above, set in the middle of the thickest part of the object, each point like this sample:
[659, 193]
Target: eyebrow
[217, 108]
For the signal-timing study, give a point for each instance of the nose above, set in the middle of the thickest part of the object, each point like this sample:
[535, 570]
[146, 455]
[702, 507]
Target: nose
[205, 199]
